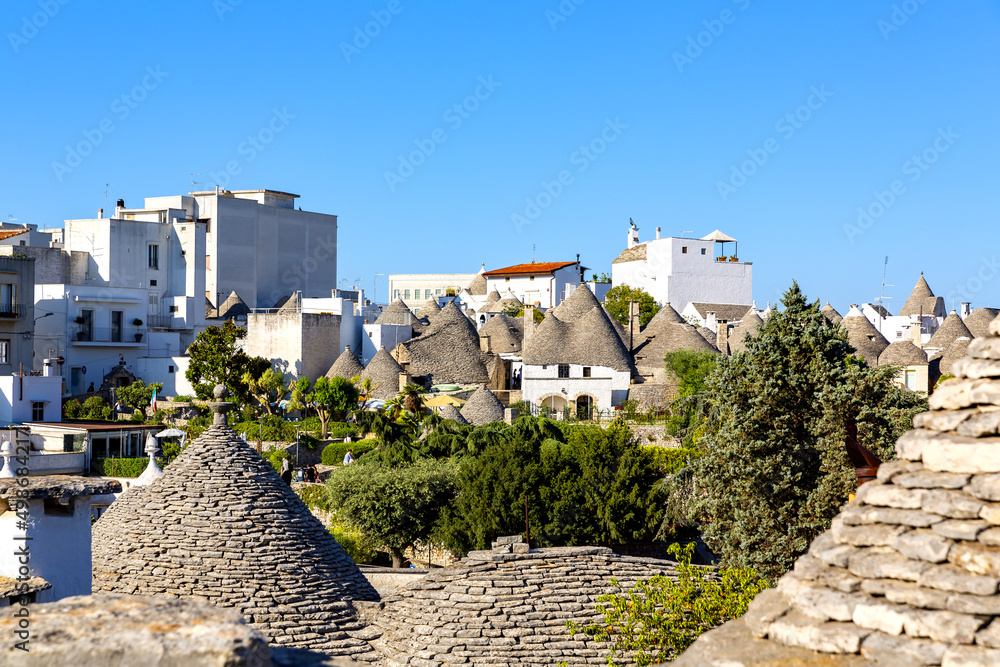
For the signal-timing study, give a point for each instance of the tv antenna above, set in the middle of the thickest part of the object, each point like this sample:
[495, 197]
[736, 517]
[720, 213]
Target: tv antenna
[882, 297]
[194, 182]
[107, 186]
[687, 231]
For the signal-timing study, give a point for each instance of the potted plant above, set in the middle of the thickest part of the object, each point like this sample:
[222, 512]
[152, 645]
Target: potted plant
[80, 319]
[137, 322]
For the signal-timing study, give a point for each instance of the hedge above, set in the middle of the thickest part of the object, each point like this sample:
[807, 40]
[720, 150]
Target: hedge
[333, 454]
[119, 467]
[670, 460]
[276, 429]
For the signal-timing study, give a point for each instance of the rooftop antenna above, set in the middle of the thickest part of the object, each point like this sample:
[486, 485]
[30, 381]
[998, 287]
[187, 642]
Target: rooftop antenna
[532, 253]
[106, 187]
[194, 182]
[882, 297]
[687, 231]
[11, 218]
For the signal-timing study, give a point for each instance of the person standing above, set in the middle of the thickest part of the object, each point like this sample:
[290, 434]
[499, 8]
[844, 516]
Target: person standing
[286, 471]
[348, 458]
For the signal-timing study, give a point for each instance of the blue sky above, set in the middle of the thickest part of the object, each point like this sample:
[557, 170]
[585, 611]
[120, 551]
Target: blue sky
[649, 111]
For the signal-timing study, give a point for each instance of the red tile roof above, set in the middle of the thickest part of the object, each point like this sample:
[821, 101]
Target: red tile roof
[16, 232]
[534, 268]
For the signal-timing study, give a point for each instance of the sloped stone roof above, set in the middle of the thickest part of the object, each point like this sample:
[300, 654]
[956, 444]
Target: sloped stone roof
[727, 312]
[750, 323]
[902, 353]
[978, 321]
[504, 334]
[493, 296]
[710, 336]
[483, 407]
[831, 313]
[922, 300]
[580, 302]
[636, 253]
[346, 366]
[590, 340]
[448, 351]
[908, 572]
[451, 412]
[397, 313]
[233, 307]
[667, 337]
[508, 303]
[220, 524]
[956, 351]
[950, 330]
[428, 308]
[293, 304]
[868, 342]
[514, 606]
[478, 285]
[619, 328]
[384, 372]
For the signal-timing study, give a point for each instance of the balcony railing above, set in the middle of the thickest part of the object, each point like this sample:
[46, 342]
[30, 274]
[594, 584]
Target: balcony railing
[12, 311]
[109, 335]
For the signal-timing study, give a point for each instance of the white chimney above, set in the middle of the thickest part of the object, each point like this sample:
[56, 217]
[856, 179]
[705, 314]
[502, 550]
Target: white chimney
[100, 214]
[657, 232]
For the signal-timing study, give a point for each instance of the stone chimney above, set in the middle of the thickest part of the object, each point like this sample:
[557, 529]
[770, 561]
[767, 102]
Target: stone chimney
[633, 237]
[529, 321]
[634, 322]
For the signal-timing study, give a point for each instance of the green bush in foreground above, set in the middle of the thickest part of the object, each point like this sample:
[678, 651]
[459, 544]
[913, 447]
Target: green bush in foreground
[333, 454]
[119, 467]
[358, 546]
[659, 618]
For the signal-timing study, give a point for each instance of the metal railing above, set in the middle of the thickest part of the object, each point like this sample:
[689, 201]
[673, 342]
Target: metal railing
[109, 335]
[12, 310]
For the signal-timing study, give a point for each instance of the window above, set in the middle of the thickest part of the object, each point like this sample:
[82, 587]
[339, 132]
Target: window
[586, 371]
[563, 370]
[170, 369]
[87, 325]
[4, 351]
[702, 251]
[152, 283]
[506, 280]
[437, 292]
[208, 224]
[395, 294]
[684, 250]
[154, 256]
[174, 309]
[117, 317]
[530, 278]
[406, 294]
[427, 294]
[910, 380]
[38, 411]
[899, 334]
[8, 299]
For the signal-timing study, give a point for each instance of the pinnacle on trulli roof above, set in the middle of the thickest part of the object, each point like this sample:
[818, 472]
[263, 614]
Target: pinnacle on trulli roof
[220, 524]
[950, 330]
[831, 313]
[153, 470]
[909, 571]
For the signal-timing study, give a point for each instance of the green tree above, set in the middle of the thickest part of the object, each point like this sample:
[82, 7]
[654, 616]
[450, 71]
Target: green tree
[394, 506]
[775, 470]
[413, 397]
[138, 395]
[617, 302]
[332, 398]
[266, 389]
[216, 358]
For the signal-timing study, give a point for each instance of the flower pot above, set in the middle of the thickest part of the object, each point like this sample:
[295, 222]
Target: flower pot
[138, 338]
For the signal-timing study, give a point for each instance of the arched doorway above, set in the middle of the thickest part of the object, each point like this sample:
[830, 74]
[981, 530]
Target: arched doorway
[584, 407]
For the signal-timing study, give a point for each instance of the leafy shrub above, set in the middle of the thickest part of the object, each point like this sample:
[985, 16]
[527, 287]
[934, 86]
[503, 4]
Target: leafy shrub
[670, 460]
[276, 456]
[309, 442]
[108, 467]
[171, 450]
[183, 398]
[275, 429]
[72, 410]
[339, 430]
[137, 417]
[96, 407]
[314, 497]
[333, 454]
[660, 618]
[197, 426]
[358, 546]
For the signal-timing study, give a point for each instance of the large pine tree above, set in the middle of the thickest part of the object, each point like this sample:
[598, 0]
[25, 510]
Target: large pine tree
[775, 469]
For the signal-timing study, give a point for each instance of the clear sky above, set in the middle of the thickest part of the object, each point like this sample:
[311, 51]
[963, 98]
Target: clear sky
[647, 110]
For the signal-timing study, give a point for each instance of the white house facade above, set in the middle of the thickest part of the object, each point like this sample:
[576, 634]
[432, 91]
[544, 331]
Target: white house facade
[541, 284]
[558, 386]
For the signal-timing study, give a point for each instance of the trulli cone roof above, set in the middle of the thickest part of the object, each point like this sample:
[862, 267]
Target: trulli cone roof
[448, 351]
[902, 353]
[978, 321]
[950, 330]
[909, 571]
[750, 323]
[451, 412]
[346, 366]
[482, 408]
[384, 372]
[221, 525]
[867, 341]
[831, 313]
[397, 313]
[955, 352]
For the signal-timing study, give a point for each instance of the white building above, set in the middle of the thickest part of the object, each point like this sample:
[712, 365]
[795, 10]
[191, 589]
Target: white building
[680, 270]
[540, 284]
[416, 288]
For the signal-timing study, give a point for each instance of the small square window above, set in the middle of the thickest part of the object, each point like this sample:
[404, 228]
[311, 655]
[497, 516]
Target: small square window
[437, 292]
[702, 251]
[563, 370]
[170, 369]
[152, 283]
[4, 351]
[586, 371]
[531, 277]
[506, 280]
[173, 309]
[684, 249]
[406, 294]
[37, 411]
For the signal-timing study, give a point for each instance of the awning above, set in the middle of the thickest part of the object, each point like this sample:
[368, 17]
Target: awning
[718, 236]
[441, 401]
[170, 433]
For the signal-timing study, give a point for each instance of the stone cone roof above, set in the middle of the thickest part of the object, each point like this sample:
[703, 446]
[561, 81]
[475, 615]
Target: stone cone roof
[397, 313]
[978, 321]
[619, 328]
[955, 352]
[590, 340]
[831, 313]
[233, 307]
[750, 323]
[668, 338]
[428, 308]
[909, 571]
[868, 342]
[902, 353]
[493, 296]
[346, 366]
[448, 351]
[451, 412]
[921, 300]
[384, 372]
[482, 408]
[576, 305]
[503, 333]
[292, 304]
[950, 330]
[478, 285]
[221, 525]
